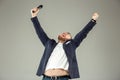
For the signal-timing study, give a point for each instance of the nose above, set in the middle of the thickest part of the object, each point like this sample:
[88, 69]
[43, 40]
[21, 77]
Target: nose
[63, 34]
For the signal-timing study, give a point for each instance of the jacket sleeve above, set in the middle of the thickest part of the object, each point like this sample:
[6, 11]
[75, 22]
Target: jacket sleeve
[83, 33]
[40, 32]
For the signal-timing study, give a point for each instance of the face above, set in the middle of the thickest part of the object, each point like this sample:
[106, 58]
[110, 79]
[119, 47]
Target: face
[64, 36]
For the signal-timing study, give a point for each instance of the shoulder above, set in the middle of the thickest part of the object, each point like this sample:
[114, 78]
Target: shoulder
[51, 41]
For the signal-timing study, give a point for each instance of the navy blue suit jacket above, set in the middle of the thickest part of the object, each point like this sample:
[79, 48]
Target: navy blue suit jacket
[69, 47]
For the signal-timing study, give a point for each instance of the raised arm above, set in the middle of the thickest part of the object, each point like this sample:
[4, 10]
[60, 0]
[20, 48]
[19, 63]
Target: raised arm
[83, 33]
[40, 32]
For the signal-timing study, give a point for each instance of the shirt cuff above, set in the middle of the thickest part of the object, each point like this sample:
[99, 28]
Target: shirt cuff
[93, 20]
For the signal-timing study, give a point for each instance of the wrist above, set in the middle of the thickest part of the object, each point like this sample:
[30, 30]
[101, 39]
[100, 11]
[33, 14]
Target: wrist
[34, 16]
[93, 20]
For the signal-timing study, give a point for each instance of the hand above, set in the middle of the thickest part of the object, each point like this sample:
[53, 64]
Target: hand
[95, 16]
[34, 12]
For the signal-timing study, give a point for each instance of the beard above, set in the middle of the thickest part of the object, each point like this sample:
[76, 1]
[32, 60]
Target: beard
[60, 38]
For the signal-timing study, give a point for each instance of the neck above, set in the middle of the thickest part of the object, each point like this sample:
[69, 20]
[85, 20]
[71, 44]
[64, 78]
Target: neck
[61, 41]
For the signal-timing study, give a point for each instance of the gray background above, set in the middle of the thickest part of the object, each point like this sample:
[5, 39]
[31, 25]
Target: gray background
[20, 49]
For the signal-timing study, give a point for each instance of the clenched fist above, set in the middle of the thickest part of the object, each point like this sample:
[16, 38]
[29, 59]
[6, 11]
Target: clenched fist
[95, 16]
[34, 12]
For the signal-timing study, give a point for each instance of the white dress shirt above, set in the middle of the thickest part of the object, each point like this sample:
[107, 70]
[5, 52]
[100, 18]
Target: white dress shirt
[58, 59]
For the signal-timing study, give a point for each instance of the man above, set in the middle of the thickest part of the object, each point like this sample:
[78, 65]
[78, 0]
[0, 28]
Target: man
[59, 59]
